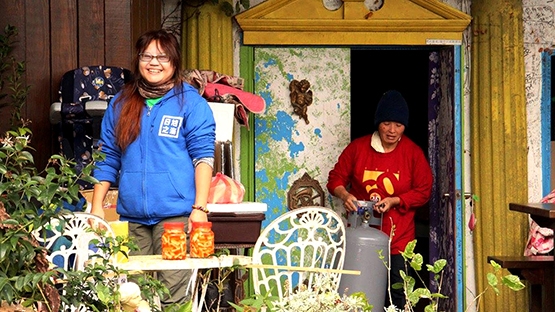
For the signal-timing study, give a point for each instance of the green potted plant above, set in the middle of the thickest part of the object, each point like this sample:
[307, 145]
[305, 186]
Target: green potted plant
[28, 198]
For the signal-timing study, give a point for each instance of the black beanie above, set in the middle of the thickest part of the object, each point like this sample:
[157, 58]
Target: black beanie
[392, 107]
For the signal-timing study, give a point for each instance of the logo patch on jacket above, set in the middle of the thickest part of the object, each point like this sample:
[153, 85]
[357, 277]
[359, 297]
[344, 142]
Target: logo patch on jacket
[169, 126]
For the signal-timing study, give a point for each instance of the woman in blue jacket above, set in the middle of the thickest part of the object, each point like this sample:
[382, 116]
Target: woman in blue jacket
[158, 136]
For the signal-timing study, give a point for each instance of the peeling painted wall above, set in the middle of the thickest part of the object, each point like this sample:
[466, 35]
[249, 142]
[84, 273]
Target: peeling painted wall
[539, 34]
[285, 145]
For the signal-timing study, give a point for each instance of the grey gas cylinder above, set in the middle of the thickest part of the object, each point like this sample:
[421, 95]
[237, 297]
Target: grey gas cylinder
[361, 253]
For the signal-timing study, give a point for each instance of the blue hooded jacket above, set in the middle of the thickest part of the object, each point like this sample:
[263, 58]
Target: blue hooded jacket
[156, 172]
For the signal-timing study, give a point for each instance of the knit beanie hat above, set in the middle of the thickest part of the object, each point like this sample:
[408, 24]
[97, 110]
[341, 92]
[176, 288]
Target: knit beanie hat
[392, 107]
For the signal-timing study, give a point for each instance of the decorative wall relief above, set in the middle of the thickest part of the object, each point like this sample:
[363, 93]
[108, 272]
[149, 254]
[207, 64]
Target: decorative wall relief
[301, 98]
[332, 5]
[305, 191]
[373, 5]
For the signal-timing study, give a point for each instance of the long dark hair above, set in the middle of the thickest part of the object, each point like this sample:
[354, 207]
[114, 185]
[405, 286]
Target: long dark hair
[129, 122]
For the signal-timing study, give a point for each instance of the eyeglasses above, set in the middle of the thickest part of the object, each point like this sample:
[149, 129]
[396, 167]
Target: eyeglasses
[145, 57]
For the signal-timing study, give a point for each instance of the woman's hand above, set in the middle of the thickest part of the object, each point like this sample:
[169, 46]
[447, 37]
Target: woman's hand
[196, 216]
[347, 198]
[387, 203]
[349, 202]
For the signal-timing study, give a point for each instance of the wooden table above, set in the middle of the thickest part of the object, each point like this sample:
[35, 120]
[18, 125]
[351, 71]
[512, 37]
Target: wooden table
[540, 212]
[544, 216]
[153, 263]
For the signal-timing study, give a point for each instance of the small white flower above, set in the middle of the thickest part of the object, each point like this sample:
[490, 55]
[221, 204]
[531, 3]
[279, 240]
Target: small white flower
[321, 298]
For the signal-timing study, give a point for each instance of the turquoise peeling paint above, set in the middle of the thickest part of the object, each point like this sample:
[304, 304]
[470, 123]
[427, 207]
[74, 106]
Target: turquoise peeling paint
[285, 145]
[270, 62]
[267, 96]
[318, 132]
[282, 128]
[295, 149]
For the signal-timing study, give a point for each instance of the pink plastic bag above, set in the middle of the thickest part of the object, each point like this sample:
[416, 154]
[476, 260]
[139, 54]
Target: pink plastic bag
[225, 190]
[540, 239]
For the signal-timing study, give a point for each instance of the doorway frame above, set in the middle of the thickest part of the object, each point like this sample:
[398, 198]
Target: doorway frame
[545, 109]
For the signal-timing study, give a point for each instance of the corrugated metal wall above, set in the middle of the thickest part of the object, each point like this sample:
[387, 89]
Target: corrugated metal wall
[207, 38]
[499, 146]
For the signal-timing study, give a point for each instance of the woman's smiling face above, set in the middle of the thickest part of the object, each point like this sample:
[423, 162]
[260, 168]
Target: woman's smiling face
[154, 71]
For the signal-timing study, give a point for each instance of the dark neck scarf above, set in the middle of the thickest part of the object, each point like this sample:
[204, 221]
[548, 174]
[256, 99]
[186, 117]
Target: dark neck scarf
[149, 91]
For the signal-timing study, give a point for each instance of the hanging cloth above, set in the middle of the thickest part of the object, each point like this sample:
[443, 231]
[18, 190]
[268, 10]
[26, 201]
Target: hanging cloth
[216, 87]
[540, 239]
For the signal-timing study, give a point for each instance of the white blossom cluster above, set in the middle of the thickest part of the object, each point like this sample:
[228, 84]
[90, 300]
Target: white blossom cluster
[322, 297]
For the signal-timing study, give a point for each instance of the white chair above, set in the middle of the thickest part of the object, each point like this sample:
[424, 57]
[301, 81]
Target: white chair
[70, 242]
[71, 246]
[300, 239]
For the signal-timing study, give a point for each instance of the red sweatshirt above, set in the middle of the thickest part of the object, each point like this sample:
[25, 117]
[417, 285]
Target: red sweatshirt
[404, 173]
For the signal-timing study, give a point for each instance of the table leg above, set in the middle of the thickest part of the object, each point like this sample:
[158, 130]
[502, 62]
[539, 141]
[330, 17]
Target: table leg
[193, 285]
[547, 296]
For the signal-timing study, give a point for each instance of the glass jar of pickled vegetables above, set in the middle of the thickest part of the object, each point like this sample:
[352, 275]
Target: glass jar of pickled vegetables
[174, 241]
[201, 240]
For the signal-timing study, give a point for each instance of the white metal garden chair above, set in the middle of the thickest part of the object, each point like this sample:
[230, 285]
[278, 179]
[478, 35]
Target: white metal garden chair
[71, 245]
[296, 246]
[71, 242]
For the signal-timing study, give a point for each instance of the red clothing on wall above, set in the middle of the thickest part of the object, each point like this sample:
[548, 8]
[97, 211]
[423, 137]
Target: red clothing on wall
[371, 175]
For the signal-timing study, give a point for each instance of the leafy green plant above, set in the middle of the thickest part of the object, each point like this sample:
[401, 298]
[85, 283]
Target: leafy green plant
[11, 77]
[414, 295]
[513, 282]
[96, 287]
[29, 199]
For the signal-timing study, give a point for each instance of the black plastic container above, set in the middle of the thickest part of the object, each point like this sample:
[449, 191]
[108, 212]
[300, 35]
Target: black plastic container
[236, 228]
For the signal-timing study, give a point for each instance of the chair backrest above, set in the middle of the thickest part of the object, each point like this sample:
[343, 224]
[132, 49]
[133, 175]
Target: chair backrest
[70, 242]
[308, 237]
[70, 239]
[84, 96]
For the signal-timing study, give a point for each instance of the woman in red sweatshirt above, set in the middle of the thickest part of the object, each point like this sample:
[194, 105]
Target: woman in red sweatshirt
[389, 168]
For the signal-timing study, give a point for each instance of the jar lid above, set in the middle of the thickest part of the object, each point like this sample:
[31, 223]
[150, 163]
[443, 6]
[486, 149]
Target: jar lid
[202, 224]
[174, 225]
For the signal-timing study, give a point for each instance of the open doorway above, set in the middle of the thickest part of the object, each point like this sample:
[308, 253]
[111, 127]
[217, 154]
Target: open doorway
[426, 76]
[373, 72]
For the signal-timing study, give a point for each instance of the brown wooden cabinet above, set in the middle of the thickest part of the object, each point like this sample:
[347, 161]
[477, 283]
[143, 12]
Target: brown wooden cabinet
[57, 36]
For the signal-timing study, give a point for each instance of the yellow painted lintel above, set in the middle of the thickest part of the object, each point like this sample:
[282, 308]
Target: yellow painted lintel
[347, 38]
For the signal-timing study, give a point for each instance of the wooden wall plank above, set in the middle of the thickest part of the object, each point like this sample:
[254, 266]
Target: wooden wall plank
[136, 19]
[146, 16]
[64, 43]
[90, 21]
[37, 38]
[119, 42]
